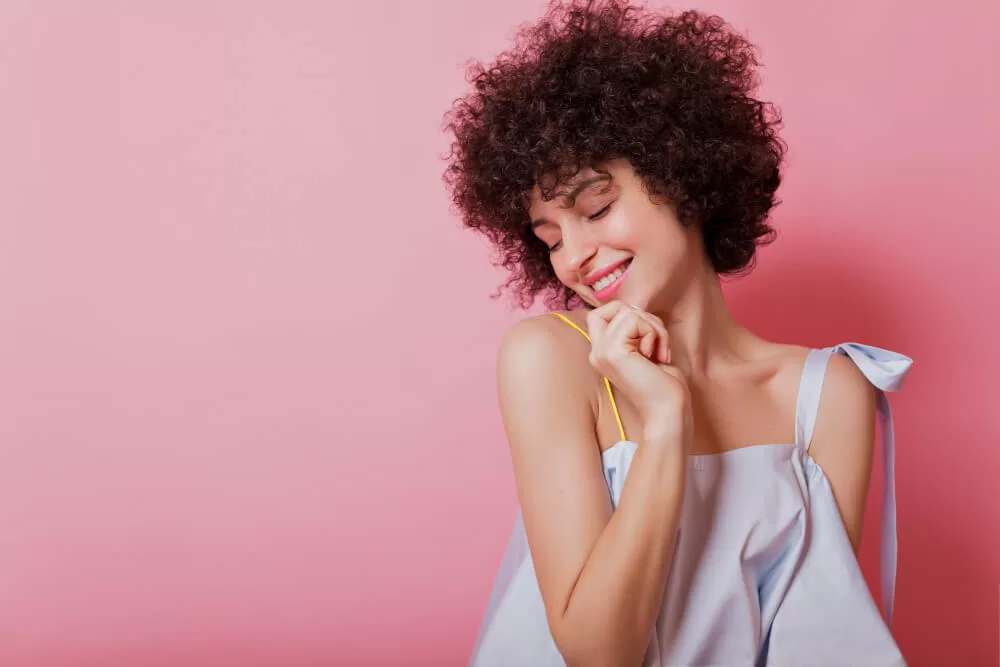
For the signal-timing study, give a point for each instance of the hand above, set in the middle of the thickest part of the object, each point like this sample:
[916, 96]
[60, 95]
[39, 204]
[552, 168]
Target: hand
[632, 349]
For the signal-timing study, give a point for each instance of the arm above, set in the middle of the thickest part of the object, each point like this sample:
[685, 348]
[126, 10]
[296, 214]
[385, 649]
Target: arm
[844, 440]
[601, 573]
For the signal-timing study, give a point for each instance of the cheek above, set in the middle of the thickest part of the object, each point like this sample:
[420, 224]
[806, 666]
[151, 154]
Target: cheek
[629, 232]
[562, 273]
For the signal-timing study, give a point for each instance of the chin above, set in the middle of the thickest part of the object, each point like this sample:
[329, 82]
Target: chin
[634, 298]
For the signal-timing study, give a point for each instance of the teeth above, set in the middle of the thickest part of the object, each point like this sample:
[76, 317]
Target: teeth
[610, 278]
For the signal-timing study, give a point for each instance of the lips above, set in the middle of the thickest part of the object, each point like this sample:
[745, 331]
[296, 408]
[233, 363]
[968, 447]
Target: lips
[607, 286]
[594, 276]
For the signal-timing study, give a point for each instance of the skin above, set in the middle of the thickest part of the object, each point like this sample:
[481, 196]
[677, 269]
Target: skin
[602, 573]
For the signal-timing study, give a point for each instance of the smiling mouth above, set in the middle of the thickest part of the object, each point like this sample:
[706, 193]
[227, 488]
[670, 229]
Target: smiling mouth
[610, 279]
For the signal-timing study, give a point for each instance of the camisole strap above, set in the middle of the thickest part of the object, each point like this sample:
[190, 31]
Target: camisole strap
[810, 388]
[607, 383]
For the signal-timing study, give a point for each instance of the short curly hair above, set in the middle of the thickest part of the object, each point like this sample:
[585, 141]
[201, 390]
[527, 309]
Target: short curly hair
[594, 81]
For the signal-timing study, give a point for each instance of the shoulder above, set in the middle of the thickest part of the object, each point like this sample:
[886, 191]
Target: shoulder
[542, 355]
[845, 421]
[542, 343]
[847, 391]
[845, 387]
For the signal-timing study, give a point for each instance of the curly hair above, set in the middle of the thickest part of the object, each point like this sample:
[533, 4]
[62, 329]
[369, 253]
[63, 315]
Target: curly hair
[594, 81]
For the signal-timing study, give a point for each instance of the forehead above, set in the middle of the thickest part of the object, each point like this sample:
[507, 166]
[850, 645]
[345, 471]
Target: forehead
[553, 191]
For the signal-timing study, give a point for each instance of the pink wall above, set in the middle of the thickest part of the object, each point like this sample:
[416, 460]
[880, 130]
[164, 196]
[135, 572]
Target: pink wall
[246, 355]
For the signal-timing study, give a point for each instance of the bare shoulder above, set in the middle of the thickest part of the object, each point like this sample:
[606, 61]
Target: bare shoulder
[847, 391]
[543, 360]
[545, 387]
[845, 422]
[543, 345]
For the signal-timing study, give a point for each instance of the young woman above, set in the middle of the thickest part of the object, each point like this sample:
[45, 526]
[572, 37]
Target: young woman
[691, 494]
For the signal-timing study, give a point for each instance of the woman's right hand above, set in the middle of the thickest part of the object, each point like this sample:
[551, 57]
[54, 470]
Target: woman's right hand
[631, 348]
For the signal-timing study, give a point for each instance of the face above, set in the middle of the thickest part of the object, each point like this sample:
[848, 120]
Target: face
[609, 241]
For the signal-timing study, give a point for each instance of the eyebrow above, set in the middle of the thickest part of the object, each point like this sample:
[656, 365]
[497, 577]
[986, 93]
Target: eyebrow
[573, 194]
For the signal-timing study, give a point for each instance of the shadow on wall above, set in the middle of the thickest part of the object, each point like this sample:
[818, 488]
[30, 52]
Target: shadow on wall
[836, 290]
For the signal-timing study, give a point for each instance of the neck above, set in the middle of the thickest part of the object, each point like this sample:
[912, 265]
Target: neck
[703, 333]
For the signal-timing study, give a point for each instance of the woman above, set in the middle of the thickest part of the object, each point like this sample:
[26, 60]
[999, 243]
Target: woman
[691, 494]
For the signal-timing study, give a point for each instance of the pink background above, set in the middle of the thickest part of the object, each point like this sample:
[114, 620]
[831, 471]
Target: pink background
[247, 410]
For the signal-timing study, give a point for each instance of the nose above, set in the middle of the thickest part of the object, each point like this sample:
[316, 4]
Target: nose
[580, 249]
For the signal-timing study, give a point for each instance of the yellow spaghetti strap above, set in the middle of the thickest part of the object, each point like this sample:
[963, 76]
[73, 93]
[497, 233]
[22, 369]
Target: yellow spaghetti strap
[572, 324]
[607, 383]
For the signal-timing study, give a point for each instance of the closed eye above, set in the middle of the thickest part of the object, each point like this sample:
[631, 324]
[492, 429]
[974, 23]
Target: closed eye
[600, 214]
[596, 216]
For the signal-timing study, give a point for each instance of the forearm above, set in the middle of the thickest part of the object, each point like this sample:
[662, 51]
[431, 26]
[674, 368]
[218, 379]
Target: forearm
[610, 612]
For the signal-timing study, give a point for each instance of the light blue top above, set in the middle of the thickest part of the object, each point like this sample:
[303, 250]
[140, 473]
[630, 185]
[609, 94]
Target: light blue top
[763, 572]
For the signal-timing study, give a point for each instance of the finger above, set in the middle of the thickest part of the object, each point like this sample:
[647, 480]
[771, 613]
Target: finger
[648, 344]
[598, 319]
[605, 313]
[662, 336]
[628, 329]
